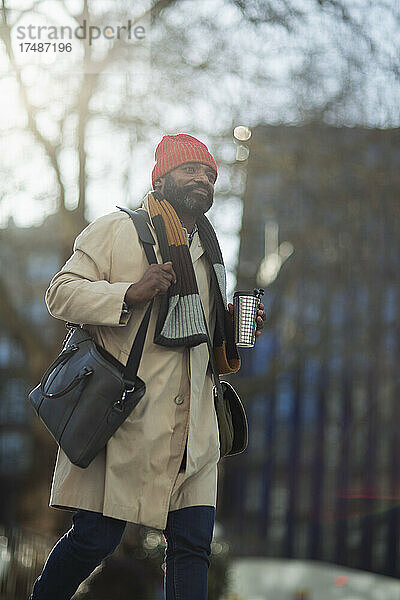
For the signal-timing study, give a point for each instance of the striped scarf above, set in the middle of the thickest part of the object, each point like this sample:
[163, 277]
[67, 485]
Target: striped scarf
[180, 321]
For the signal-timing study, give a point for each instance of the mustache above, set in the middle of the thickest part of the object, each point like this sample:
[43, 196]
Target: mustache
[198, 186]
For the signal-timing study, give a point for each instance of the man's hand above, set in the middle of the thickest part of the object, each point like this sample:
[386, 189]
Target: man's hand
[260, 318]
[156, 280]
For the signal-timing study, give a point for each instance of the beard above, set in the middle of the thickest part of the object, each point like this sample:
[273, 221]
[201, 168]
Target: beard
[183, 201]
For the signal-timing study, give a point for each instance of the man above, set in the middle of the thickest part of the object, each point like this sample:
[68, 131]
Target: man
[160, 467]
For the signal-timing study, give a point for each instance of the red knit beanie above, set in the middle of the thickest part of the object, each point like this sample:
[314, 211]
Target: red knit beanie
[175, 150]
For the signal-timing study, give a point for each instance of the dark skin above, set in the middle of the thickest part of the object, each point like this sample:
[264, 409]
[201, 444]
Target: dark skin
[196, 181]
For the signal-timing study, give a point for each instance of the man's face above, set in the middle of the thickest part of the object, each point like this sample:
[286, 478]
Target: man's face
[190, 188]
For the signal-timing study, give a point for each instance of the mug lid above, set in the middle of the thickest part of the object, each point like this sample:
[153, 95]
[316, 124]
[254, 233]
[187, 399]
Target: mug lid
[244, 293]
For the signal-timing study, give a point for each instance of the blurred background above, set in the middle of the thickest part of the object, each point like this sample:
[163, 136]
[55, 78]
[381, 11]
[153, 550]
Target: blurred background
[298, 100]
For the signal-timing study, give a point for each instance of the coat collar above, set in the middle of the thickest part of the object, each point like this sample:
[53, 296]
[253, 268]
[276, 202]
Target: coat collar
[196, 249]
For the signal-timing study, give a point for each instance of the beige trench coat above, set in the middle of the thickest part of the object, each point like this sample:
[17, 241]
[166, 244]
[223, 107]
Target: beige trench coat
[137, 477]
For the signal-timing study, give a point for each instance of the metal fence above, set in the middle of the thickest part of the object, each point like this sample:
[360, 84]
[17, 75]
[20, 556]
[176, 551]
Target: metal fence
[22, 556]
[135, 570]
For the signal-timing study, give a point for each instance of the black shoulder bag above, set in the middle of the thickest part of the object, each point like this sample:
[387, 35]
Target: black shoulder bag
[232, 421]
[86, 393]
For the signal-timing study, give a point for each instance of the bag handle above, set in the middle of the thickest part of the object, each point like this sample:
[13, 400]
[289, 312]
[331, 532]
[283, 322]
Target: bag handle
[61, 359]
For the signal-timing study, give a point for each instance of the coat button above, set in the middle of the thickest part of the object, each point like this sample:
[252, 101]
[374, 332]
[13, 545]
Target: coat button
[179, 399]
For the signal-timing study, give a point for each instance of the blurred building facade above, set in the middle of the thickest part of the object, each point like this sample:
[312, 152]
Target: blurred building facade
[321, 476]
[29, 257]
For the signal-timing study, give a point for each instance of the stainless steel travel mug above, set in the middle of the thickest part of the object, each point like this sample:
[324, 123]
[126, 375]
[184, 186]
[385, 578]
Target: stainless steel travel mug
[245, 305]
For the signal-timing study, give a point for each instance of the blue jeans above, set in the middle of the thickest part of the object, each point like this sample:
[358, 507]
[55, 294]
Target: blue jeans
[93, 537]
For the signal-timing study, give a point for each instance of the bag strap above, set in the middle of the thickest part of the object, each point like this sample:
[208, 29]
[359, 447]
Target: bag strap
[213, 364]
[140, 220]
[140, 217]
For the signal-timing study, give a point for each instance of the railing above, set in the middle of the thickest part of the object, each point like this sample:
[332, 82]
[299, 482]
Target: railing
[136, 564]
[22, 556]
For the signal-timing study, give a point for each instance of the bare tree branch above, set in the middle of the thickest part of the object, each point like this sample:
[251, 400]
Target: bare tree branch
[49, 149]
